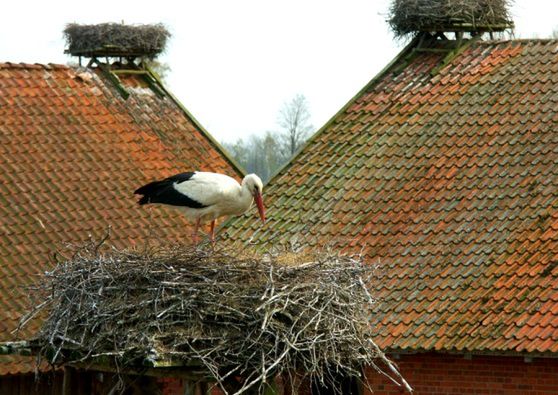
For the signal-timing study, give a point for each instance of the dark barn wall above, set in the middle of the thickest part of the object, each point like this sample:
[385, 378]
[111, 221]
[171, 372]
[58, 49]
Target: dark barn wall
[428, 373]
[28, 384]
[82, 383]
[441, 374]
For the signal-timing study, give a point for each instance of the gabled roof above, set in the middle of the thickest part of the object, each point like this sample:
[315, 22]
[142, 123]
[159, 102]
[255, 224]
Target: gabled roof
[443, 170]
[72, 151]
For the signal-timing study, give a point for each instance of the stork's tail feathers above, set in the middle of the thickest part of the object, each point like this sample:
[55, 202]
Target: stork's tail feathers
[144, 200]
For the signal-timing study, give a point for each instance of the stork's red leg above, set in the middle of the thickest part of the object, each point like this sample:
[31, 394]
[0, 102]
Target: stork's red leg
[195, 238]
[212, 232]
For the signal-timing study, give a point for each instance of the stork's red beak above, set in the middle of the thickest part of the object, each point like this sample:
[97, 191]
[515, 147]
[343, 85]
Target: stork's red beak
[259, 204]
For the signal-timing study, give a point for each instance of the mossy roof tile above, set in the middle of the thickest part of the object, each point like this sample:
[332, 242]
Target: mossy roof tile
[448, 181]
[72, 151]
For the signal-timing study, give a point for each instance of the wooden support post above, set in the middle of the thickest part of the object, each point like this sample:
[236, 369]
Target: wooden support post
[114, 79]
[271, 388]
[190, 388]
[67, 385]
[461, 46]
[154, 81]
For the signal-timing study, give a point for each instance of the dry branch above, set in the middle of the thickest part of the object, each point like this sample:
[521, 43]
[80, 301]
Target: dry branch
[244, 316]
[412, 16]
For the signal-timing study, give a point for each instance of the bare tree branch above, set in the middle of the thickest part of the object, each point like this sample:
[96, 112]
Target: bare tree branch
[294, 119]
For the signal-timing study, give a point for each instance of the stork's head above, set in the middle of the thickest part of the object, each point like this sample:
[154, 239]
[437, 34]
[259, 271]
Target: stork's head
[254, 184]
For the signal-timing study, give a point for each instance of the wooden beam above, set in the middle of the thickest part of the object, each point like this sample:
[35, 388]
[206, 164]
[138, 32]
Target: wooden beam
[16, 348]
[129, 71]
[271, 389]
[462, 46]
[107, 72]
[190, 388]
[67, 387]
[187, 373]
[468, 27]
[434, 50]
[154, 84]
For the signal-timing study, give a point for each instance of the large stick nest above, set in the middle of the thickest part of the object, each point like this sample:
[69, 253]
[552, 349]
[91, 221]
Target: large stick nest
[412, 16]
[114, 39]
[248, 316]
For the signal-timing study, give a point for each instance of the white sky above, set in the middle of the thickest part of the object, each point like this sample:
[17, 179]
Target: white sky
[235, 62]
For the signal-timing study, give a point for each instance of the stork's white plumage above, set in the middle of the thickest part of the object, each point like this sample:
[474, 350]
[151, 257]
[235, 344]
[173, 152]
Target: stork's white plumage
[204, 196]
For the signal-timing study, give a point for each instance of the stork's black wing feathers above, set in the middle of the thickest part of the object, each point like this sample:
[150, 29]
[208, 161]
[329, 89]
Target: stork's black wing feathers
[164, 192]
[155, 185]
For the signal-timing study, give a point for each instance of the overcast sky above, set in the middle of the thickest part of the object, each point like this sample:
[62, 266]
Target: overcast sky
[234, 63]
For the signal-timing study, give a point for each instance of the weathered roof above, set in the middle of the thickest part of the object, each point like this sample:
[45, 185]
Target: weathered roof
[446, 176]
[72, 151]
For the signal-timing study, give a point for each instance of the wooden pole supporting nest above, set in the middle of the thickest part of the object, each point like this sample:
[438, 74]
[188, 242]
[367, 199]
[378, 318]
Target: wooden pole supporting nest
[244, 318]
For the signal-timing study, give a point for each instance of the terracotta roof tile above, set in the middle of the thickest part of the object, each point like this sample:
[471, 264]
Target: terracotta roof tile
[447, 179]
[72, 151]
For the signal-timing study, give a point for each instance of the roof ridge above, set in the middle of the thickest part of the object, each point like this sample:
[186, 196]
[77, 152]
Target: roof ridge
[404, 52]
[216, 144]
[519, 41]
[23, 65]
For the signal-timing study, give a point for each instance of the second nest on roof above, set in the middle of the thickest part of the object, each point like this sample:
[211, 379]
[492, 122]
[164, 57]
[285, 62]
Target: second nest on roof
[114, 39]
[251, 316]
[413, 16]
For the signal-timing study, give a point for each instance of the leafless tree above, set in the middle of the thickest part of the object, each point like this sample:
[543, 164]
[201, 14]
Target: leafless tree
[294, 119]
[258, 154]
[265, 154]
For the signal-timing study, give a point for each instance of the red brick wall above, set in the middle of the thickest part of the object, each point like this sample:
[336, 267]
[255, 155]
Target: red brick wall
[439, 374]
[171, 386]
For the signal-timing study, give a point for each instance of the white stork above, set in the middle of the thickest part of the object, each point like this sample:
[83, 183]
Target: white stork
[204, 196]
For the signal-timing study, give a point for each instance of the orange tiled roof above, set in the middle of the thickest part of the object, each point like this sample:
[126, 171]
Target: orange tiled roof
[446, 176]
[72, 151]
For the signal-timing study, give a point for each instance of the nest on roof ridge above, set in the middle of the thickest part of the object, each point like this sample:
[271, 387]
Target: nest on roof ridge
[234, 315]
[407, 17]
[114, 40]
